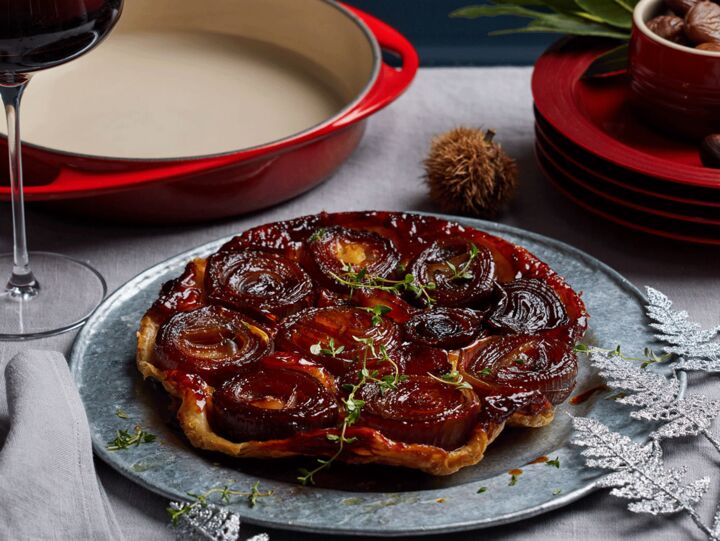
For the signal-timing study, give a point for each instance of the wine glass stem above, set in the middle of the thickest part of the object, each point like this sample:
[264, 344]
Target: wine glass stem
[22, 283]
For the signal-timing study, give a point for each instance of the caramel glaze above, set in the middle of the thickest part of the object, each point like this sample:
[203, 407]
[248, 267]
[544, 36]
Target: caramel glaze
[585, 395]
[511, 296]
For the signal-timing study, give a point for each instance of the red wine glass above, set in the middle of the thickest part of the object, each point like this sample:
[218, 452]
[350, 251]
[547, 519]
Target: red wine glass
[57, 293]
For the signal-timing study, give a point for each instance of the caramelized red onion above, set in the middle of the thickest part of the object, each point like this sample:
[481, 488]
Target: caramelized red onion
[529, 306]
[212, 342]
[500, 407]
[318, 326]
[274, 399]
[337, 249]
[476, 282]
[400, 310]
[420, 360]
[506, 364]
[421, 410]
[258, 282]
[182, 294]
[444, 327]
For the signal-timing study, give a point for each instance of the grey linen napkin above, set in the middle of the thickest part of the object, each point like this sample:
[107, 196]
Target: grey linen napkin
[48, 485]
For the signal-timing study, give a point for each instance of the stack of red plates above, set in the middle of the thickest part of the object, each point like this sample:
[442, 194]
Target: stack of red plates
[597, 152]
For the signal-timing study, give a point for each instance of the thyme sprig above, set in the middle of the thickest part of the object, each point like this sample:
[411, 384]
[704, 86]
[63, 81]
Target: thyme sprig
[463, 271]
[330, 350]
[453, 378]
[353, 405]
[362, 279]
[377, 311]
[225, 492]
[124, 439]
[649, 356]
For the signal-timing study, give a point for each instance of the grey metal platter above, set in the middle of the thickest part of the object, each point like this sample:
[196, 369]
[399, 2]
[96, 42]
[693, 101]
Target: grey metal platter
[359, 500]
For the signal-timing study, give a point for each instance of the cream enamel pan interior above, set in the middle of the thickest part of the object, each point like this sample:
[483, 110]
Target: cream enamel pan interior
[189, 78]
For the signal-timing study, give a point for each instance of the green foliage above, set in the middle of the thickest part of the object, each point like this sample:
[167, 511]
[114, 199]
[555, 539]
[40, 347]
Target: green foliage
[600, 18]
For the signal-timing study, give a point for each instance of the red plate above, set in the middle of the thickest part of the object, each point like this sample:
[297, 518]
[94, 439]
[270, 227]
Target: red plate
[608, 173]
[596, 115]
[637, 219]
[623, 197]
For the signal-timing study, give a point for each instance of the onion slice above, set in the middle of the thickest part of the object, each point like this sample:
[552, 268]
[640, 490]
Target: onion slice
[460, 278]
[528, 307]
[331, 336]
[421, 410]
[274, 399]
[444, 327]
[338, 250]
[505, 364]
[212, 342]
[258, 282]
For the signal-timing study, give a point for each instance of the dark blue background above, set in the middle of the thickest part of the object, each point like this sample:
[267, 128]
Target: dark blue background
[441, 40]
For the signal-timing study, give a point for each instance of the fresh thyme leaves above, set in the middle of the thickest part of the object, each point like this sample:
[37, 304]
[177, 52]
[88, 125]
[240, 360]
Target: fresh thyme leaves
[225, 493]
[453, 378]
[377, 311]
[317, 235]
[554, 462]
[513, 480]
[649, 356]
[121, 413]
[557, 492]
[124, 439]
[353, 405]
[463, 271]
[481, 490]
[330, 350]
[362, 279]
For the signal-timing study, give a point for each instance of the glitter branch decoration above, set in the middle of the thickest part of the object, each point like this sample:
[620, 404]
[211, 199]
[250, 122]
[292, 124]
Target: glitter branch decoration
[694, 346]
[658, 399]
[639, 474]
[638, 471]
[203, 520]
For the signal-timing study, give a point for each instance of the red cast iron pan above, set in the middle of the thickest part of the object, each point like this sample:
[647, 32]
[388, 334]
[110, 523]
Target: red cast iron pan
[597, 116]
[320, 62]
[633, 219]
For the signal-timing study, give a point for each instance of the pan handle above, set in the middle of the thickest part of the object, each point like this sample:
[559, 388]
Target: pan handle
[391, 82]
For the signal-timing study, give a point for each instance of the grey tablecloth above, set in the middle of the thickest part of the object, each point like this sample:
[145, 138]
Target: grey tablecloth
[385, 173]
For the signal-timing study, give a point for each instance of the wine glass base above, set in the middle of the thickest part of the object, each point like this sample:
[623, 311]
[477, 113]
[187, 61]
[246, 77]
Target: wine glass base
[69, 291]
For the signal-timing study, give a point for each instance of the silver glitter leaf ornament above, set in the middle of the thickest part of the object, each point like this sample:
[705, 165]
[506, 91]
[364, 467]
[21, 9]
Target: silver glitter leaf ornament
[639, 473]
[206, 522]
[695, 347]
[658, 398]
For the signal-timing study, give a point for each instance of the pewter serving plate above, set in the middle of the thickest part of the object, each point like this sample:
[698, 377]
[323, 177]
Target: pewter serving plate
[360, 500]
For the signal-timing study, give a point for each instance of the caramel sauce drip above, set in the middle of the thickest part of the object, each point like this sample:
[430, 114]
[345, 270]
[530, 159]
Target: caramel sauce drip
[585, 395]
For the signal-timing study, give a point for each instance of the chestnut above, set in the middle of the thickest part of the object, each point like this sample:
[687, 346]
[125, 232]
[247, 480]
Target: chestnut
[709, 46]
[680, 7]
[702, 22]
[670, 27]
[710, 151]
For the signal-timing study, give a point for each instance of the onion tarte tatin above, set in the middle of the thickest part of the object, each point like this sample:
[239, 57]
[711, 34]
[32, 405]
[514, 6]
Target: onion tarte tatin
[363, 337]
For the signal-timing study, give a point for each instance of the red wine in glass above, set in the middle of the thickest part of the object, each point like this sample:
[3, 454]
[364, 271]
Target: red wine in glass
[40, 34]
[46, 293]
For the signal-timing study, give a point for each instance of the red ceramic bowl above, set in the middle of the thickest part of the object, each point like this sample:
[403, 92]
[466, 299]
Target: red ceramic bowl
[676, 88]
[200, 110]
